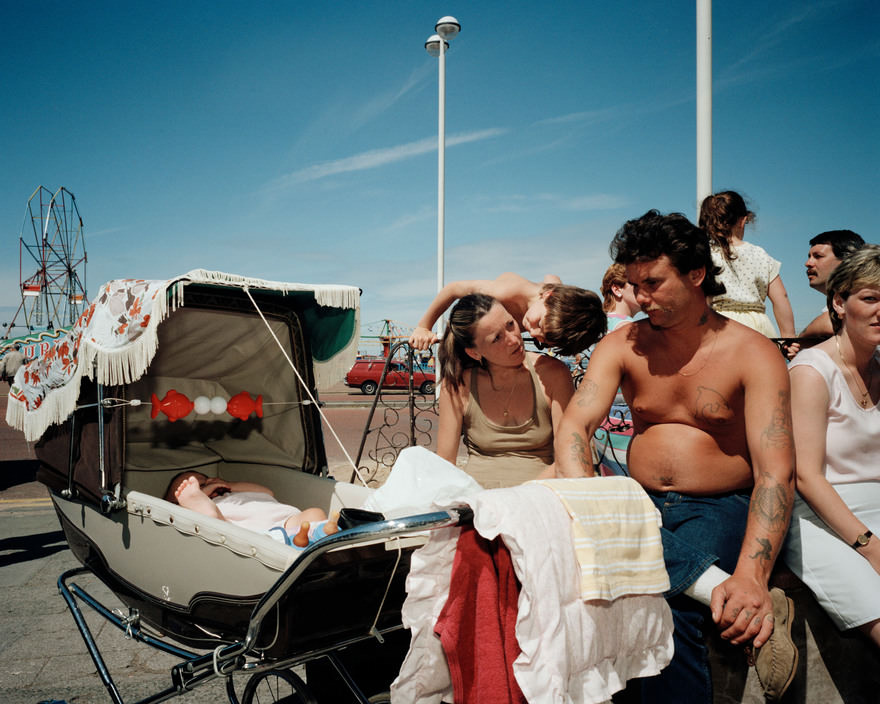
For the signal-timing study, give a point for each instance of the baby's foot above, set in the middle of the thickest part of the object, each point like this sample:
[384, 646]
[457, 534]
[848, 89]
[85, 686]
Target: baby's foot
[301, 539]
[188, 490]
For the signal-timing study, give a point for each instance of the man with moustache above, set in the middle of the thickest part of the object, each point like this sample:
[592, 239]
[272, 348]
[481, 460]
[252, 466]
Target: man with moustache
[712, 446]
[827, 249]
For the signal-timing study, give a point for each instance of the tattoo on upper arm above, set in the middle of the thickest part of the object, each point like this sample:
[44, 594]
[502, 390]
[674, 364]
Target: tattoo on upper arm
[778, 432]
[580, 452]
[587, 392]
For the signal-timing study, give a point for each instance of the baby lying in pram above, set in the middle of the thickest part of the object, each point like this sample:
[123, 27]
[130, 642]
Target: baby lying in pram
[249, 505]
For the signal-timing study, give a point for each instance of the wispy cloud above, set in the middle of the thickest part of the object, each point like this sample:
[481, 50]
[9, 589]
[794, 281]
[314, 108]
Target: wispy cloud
[411, 218]
[103, 233]
[376, 158]
[588, 202]
[385, 101]
[586, 117]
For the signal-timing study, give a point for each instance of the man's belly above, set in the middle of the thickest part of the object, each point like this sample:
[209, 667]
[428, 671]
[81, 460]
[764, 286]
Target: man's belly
[682, 458]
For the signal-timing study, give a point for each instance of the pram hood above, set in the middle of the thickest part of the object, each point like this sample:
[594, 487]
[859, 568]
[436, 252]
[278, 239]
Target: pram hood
[202, 334]
[115, 339]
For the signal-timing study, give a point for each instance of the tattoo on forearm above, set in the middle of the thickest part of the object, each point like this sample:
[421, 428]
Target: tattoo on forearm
[764, 552]
[586, 393]
[771, 505]
[580, 452]
[778, 432]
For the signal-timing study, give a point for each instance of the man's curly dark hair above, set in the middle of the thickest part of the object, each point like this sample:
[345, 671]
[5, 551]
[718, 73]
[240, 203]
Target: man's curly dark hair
[652, 235]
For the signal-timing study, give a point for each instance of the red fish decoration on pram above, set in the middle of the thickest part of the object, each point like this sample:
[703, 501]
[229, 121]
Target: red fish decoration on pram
[176, 405]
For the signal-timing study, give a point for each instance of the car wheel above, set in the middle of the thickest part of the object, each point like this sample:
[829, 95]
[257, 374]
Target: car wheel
[426, 388]
[369, 388]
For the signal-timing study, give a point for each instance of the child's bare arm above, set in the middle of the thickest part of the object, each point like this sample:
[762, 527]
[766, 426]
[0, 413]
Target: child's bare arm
[248, 486]
[422, 337]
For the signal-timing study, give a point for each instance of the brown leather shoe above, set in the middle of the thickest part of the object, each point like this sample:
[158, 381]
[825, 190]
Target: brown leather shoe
[776, 660]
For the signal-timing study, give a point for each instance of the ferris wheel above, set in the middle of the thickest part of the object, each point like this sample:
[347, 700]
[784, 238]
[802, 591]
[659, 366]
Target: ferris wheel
[53, 243]
[52, 258]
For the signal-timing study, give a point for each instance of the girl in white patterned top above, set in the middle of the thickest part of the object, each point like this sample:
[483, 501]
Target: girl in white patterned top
[748, 273]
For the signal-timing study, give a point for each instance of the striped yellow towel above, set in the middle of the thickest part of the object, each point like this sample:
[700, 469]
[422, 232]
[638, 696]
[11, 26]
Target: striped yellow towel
[616, 536]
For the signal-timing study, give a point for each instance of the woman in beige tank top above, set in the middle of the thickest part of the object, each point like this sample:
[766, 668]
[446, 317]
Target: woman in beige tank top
[505, 401]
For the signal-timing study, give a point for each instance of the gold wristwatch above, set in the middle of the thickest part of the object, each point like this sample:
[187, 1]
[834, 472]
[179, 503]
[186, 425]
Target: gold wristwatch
[862, 540]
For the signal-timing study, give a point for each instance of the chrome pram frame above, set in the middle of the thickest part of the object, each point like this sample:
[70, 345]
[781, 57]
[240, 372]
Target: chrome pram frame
[243, 657]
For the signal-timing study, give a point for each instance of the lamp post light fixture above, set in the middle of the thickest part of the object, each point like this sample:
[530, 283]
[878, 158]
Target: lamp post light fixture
[437, 44]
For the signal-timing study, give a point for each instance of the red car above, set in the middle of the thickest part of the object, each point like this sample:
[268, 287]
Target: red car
[366, 373]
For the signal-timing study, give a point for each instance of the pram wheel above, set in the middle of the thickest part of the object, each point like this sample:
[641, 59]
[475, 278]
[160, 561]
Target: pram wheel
[278, 686]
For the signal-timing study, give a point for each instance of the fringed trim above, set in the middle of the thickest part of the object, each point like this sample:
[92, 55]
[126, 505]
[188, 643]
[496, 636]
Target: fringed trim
[56, 408]
[116, 366]
[330, 295]
[113, 367]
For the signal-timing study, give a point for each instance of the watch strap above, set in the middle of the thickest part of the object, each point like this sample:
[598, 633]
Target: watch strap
[862, 540]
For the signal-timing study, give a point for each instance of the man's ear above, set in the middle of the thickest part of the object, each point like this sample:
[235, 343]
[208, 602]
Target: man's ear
[697, 276]
[473, 354]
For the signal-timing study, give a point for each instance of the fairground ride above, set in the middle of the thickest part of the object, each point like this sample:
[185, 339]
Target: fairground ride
[52, 264]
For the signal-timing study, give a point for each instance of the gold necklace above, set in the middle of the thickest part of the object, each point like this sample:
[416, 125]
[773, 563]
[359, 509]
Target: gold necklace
[705, 361]
[863, 402]
[510, 396]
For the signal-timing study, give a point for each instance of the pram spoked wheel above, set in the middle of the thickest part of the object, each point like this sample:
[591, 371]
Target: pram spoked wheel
[278, 686]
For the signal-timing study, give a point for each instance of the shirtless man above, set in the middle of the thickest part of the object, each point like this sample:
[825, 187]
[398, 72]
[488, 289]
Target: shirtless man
[712, 446]
[826, 251]
[567, 318]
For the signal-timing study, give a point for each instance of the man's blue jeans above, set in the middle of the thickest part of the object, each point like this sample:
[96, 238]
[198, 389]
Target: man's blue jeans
[697, 532]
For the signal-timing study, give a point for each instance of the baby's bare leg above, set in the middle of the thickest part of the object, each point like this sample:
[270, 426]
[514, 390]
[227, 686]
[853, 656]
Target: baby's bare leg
[312, 515]
[190, 495]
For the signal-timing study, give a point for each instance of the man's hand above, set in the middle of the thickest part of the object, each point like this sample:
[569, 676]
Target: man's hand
[422, 338]
[743, 610]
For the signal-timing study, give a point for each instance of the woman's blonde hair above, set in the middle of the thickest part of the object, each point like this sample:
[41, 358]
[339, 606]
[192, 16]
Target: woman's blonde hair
[859, 270]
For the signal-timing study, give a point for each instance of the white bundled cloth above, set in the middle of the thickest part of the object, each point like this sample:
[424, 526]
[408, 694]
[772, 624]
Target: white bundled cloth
[572, 651]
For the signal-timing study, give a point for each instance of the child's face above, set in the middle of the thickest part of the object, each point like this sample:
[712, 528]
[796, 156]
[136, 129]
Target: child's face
[533, 320]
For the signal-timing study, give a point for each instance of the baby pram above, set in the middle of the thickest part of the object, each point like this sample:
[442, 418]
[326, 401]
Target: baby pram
[119, 407]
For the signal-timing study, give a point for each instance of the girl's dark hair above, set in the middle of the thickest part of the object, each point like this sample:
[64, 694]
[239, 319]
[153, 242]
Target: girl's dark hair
[719, 214]
[459, 335]
[651, 236]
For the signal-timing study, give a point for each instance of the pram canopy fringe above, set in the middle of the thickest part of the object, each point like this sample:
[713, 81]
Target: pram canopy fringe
[115, 339]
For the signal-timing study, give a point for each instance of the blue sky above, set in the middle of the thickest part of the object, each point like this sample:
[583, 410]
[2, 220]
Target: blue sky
[297, 141]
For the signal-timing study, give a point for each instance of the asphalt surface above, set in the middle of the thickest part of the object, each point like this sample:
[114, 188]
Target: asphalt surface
[42, 655]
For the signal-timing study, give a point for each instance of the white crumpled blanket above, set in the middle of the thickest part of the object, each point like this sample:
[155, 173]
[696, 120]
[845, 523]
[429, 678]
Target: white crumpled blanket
[572, 651]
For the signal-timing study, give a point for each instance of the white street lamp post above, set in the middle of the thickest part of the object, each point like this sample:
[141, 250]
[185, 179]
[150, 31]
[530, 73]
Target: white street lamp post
[704, 101]
[437, 44]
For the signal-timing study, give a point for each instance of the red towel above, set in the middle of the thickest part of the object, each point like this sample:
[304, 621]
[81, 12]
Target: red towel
[477, 626]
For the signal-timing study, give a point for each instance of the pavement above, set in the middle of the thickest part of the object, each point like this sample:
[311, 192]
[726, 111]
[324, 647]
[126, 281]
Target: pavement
[42, 655]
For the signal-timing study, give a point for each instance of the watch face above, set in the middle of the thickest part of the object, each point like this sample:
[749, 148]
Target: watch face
[863, 539]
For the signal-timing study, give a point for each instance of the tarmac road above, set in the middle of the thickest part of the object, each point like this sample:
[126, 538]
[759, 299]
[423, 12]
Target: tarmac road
[42, 656]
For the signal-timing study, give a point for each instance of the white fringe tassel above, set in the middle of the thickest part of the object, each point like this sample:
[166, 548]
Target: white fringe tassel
[114, 367]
